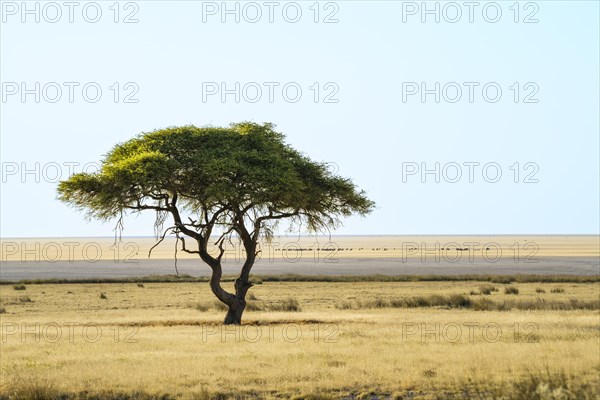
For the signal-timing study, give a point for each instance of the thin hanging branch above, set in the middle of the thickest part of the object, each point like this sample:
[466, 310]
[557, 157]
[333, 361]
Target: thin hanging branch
[175, 255]
[119, 227]
[159, 222]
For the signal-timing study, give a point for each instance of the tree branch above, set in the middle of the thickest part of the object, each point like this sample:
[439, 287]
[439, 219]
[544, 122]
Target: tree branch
[220, 242]
[271, 216]
[160, 240]
[183, 248]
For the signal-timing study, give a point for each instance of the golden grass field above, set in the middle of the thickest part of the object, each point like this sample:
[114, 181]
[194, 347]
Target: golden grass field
[347, 341]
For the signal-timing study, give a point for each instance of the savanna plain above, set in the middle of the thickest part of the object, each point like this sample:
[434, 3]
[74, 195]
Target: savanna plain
[303, 337]
[355, 339]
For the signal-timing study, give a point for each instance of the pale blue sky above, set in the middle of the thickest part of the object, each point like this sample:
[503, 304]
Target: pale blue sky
[369, 133]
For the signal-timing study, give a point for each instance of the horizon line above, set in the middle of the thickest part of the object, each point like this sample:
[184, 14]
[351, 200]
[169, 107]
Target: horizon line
[316, 235]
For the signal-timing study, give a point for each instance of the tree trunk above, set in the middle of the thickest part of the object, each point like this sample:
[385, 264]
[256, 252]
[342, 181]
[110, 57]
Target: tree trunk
[234, 313]
[238, 303]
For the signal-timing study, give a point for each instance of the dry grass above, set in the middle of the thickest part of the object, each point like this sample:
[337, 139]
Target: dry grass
[478, 304]
[511, 290]
[259, 279]
[253, 304]
[487, 289]
[166, 341]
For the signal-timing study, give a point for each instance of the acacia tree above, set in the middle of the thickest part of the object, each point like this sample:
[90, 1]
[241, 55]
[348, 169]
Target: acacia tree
[238, 181]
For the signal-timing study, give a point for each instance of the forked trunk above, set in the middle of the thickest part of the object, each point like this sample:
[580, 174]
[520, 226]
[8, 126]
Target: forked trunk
[238, 303]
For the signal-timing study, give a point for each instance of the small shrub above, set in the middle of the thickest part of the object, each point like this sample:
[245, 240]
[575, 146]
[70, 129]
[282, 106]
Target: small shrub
[25, 299]
[484, 304]
[19, 287]
[511, 290]
[540, 290]
[380, 303]
[200, 307]
[459, 301]
[289, 304]
[421, 301]
[256, 280]
[336, 363]
[347, 305]
[487, 289]
[103, 296]
[2, 310]
[254, 306]
[429, 373]
[557, 290]
[140, 285]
